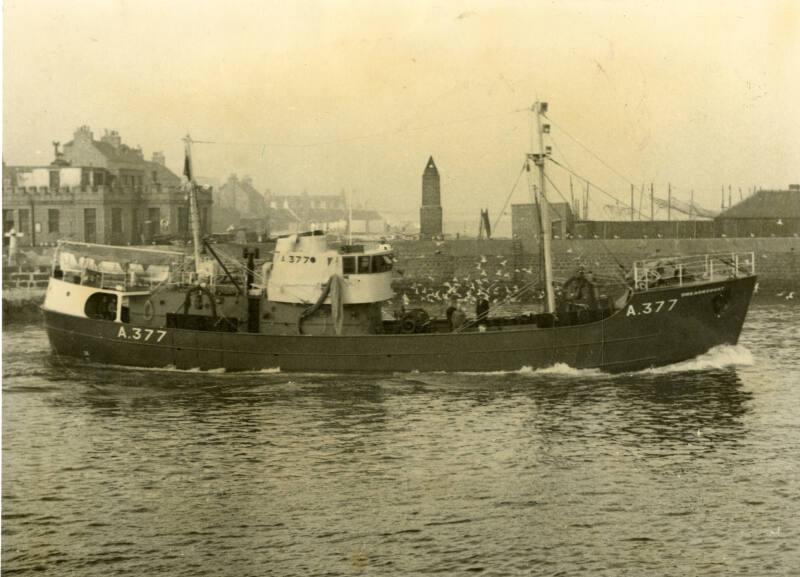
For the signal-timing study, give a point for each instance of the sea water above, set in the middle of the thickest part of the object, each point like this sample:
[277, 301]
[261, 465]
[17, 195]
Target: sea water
[692, 469]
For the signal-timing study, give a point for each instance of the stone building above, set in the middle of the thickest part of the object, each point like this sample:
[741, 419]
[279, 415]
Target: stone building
[302, 203]
[237, 201]
[767, 213]
[99, 191]
[240, 195]
[525, 223]
[328, 212]
[430, 213]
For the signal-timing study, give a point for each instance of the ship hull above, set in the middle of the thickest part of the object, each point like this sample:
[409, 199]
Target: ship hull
[656, 327]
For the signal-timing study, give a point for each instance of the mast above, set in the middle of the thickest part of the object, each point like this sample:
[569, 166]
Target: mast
[544, 208]
[571, 195]
[350, 217]
[669, 201]
[632, 192]
[192, 190]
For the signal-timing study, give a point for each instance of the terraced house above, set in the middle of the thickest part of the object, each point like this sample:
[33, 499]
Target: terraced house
[99, 191]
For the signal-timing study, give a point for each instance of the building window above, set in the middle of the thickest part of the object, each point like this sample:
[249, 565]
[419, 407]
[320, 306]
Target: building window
[99, 179]
[89, 225]
[153, 221]
[55, 180]
[85, 177]
[24, 221]
[205, 225]
[116, 219]
[53, 220]
[8, 220]
[183, 219]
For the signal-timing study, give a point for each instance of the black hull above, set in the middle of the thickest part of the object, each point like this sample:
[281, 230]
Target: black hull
[658, 327]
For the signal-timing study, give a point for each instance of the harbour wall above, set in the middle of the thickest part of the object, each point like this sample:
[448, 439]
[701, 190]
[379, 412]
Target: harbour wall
[777, 259]
[21, 305]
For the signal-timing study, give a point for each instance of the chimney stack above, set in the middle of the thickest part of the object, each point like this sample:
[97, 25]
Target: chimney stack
[83, 133]
[112, 137]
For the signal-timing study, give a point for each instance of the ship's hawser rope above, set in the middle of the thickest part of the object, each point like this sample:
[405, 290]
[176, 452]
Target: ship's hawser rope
[335, 289]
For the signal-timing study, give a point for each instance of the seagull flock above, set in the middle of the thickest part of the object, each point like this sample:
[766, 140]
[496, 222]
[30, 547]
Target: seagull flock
[497, 286]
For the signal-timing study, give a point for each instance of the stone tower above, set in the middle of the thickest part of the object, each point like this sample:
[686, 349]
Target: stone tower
[430, 213]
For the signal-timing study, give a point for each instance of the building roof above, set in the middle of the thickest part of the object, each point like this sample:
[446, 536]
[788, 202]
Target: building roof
[122, 153]
[766, 204]
[164, 174]
[431, 166]
[304, 195]
[334, 214]
[281, 216]
[255, 203]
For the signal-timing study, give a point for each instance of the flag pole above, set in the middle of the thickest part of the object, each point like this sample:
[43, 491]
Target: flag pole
[192, 189]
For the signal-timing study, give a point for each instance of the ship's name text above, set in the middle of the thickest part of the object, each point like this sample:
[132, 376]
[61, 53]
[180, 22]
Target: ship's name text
[137, 334]
[650, 307]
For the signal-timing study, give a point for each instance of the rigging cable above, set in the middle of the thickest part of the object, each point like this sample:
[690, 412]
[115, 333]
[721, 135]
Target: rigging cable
[508, 198]
[599, 159]
[400, 130]
[587, 149]
[587, 181]
[602, 241]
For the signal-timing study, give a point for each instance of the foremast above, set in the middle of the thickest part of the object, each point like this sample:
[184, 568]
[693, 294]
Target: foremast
[191, 188]
[540, 108]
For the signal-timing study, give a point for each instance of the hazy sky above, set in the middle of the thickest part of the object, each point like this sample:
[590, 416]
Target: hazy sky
[356, 95]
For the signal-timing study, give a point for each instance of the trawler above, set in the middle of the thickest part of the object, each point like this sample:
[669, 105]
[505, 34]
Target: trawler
[318, 306]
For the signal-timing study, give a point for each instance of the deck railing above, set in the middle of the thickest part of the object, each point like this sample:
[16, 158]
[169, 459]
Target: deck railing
[692, 269]
[137, 279]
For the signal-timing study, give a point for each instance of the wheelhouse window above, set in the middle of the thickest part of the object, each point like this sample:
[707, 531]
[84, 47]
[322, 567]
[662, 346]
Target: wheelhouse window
[367, 264]
[382, 263]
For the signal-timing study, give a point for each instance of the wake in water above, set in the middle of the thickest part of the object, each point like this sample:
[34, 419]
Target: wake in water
[720, 357]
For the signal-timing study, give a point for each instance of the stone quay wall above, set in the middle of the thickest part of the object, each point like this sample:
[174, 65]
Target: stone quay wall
[434, 262]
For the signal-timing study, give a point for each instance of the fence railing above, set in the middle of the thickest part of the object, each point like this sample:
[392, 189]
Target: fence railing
[691, 269]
